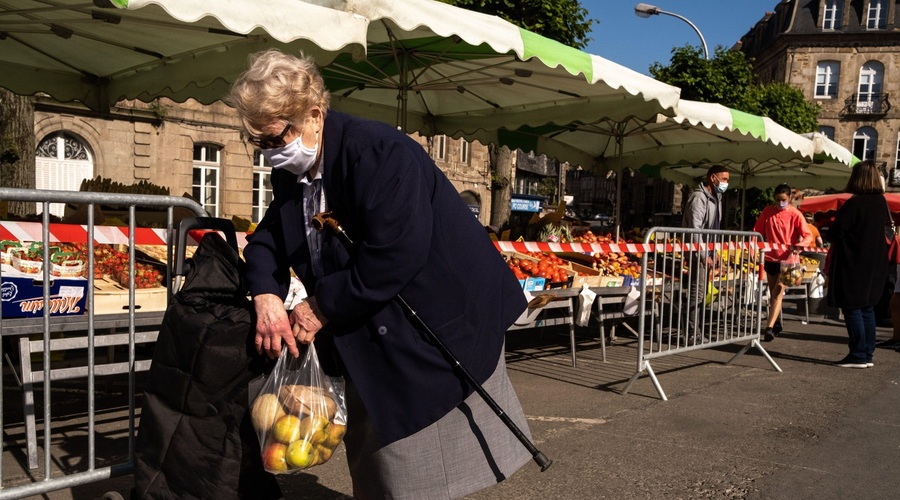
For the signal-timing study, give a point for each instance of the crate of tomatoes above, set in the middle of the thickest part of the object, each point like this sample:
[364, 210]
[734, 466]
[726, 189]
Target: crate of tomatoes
[547, 266]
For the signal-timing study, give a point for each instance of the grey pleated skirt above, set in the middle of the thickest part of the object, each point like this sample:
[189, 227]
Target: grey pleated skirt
[467, 450]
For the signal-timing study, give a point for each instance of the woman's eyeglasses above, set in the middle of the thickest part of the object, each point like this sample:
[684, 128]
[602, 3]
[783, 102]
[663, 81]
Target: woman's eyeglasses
[270, 142]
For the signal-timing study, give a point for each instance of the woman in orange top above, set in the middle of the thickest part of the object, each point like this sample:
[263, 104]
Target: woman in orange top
[780, 223]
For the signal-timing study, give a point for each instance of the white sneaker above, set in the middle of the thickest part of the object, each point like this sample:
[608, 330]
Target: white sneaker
[850, 364]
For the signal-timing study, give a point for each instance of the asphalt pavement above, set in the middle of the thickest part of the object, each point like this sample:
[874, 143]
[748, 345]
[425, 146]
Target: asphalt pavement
[736, 431]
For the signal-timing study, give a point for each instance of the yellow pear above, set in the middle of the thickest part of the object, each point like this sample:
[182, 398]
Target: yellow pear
[265, 411]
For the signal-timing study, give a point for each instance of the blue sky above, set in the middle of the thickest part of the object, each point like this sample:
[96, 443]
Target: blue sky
[635, 42]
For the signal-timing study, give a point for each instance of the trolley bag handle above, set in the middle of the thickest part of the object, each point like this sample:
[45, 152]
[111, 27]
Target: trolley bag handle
[190, 223]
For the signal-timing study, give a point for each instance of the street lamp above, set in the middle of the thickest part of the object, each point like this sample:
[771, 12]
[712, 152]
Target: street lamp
[647, 10]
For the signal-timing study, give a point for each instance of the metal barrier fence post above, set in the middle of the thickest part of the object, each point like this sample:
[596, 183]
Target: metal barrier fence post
[704, 290]
[87, 234]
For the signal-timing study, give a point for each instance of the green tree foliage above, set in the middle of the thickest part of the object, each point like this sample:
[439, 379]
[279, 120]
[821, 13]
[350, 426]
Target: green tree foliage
[787, 106]
[757, 200]
[728, 79]
[565, 21]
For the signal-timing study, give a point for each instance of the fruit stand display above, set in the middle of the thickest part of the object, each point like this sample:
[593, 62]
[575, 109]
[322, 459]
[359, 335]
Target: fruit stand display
[573, 269]
[111, 273]
[601, 260]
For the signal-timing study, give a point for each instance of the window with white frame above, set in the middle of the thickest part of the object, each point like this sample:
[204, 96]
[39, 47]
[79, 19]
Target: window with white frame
[440, 147]
[827, 131]
[865, 143]
[463, 151]
[205, 183]
[831, 17]
[262, 186]
[897, 158]
[871, 80]
[62, 162]
[876, 16]
[827, 75]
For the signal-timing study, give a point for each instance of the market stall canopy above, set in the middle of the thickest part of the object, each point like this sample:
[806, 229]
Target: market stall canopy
[438, 69]
[760, 152]
[832, 202]
[111, 50]
[699, 133]
[682, 147]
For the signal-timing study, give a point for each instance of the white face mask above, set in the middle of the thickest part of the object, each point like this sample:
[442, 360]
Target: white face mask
[722, 187]
[783, 204]
[293, 157]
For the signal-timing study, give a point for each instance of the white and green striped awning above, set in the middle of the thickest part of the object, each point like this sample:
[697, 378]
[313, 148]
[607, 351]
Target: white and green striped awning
[683, 146]
[431, 66]
[107, 51]
[438, 69]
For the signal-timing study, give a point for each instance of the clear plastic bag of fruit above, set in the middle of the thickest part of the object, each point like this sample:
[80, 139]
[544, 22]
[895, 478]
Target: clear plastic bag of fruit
[300, 414]
[791, 271]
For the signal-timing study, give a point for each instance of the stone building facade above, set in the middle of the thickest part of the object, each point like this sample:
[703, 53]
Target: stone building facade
[843, 55]
[198, 150]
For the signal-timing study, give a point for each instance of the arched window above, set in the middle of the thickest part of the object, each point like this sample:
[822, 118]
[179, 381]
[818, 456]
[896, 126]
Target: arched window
[62, 161]
[871, 79]
[897, 158]
[865, 143]
[472, 201]
[205, 184]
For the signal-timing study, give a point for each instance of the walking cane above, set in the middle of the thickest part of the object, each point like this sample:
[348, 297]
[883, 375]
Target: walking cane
[324, 219]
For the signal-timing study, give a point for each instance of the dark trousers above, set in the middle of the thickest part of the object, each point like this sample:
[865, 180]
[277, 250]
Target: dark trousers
[861, 329]
[696, 297]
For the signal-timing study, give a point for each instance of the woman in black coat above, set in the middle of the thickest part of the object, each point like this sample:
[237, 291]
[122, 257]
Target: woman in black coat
[858, 266]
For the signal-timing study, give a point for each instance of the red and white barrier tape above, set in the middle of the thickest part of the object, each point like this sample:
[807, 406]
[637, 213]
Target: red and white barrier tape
[541, 246]
[114, 235]
[74, 233]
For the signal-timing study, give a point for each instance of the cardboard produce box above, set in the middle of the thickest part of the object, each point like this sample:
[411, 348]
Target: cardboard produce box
[22, 294]
[612, 281]
[112, 298]
[541, 283]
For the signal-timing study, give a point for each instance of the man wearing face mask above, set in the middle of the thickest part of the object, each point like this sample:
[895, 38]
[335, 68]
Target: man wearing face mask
[415, 429]
[780, 223]
[704, 205]
[703, 210]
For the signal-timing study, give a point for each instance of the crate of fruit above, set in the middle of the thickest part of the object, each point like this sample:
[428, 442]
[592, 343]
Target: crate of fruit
[5, 247]
[28, 260]
[66, 265]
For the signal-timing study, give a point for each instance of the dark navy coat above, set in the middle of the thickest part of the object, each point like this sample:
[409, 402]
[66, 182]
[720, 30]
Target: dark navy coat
[859, 265]
[413, 236]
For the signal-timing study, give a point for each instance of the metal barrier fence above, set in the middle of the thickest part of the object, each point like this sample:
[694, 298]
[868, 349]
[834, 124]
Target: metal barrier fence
[703, 289]
[89, 234]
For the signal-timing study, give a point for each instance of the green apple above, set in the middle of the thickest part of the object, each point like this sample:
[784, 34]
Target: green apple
[287, 429]
[300, 454]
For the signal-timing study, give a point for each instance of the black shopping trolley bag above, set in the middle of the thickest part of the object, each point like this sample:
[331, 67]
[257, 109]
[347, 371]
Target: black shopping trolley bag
[195, 438]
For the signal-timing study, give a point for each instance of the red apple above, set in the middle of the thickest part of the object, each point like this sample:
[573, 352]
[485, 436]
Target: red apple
[274, 457]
